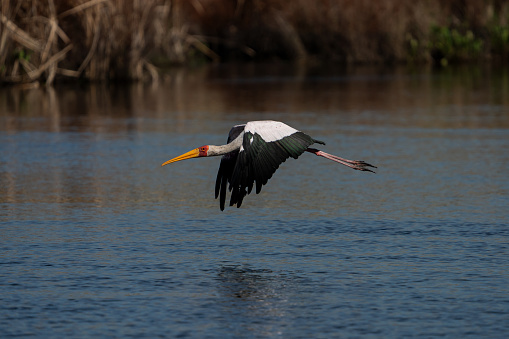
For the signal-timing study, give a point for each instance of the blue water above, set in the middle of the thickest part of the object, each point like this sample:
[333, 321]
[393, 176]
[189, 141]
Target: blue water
[96, 239]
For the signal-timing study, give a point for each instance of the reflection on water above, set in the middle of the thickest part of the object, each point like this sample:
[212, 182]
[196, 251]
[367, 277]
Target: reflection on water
[98, 239]
[250, 293]
[191, 108]
[470, 98]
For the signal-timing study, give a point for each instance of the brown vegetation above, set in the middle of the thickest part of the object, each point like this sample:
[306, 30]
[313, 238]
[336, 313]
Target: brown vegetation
[93, 39]
[352, 30]
[115, 39]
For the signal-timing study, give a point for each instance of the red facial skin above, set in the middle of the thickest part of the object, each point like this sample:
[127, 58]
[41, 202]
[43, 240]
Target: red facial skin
[203, 150]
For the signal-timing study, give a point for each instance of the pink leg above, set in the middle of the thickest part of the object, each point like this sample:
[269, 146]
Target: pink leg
[355, 164]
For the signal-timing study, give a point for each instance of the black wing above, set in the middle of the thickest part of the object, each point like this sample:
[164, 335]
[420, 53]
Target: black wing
[257, 161]
[226, 166]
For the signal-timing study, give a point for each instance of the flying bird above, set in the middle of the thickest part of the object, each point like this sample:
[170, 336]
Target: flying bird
[254, 152]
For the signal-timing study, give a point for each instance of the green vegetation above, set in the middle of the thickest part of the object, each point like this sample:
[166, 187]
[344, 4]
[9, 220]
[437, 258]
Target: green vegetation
[448, 45]
[499, 39]
[132, 39]
[22, 55]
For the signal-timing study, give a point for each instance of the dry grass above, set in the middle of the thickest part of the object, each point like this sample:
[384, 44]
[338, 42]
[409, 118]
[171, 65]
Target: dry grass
[92, 39]
[120, 39]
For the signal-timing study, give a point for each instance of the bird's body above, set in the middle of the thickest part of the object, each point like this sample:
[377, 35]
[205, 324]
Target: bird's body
[254, 152]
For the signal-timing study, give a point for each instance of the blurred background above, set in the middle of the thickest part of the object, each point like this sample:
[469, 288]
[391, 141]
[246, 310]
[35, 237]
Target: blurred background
[134, 39]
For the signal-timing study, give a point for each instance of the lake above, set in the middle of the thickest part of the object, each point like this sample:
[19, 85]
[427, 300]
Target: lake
[97, 239]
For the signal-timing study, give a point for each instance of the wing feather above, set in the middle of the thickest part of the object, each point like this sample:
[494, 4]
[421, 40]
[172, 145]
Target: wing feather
[266, 144]
[226, 167]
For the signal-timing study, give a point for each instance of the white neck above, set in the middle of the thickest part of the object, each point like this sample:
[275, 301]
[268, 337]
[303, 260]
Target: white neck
[224, 149]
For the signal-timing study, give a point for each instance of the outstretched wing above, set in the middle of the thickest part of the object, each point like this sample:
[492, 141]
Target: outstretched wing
[226, 166]
[266, 144]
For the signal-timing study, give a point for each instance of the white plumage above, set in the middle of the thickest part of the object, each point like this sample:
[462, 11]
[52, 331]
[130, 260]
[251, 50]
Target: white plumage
[269, 130]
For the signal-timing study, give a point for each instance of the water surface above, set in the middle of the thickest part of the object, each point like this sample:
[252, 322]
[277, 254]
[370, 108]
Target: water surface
[97, 239]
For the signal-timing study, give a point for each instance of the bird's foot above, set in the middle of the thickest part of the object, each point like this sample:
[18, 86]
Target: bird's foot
[360, 165]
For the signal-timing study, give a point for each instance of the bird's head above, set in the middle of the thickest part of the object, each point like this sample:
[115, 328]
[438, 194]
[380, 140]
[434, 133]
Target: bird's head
[195, 153]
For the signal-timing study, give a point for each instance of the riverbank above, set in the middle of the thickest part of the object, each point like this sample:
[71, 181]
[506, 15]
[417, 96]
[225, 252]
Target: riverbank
[119, 39]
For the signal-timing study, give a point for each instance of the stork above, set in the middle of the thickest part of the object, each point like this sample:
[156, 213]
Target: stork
[254, 152]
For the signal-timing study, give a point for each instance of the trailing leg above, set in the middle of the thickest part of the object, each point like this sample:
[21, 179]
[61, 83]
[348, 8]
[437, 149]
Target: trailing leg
[355, 164]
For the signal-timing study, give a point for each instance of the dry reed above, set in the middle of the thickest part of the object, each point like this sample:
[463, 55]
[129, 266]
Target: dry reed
[122, 39]
[92, 39]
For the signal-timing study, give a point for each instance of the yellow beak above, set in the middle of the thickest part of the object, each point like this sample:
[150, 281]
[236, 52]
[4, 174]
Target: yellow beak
[191, 154]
